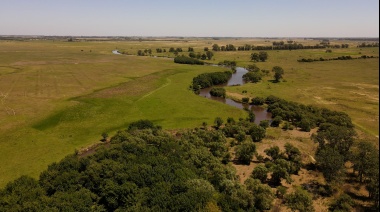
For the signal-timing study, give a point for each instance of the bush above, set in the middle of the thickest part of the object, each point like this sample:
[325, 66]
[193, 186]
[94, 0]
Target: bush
[245, 100]
[219, 92]
[258, 101]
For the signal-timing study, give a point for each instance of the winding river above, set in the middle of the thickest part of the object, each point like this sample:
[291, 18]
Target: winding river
[236, 79]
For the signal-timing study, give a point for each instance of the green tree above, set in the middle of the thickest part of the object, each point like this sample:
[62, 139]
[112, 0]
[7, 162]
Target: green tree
[251, 116]
[299, 200]
[274, 152]
[245, 151]
[255, 57]
[278, 173]
[263, 56]
[365, 158]
[340, 138]
[192, 55]
[256, 132]
[104, 136]
[258, 100]
[252, 77]
[262, 194]
[209, 55]
[215, 47]
[331, 163]
[278, 72]
[305, 125]
[218, 122]
[343, 203]
[264, 124]
[276, 121]
[260, 172]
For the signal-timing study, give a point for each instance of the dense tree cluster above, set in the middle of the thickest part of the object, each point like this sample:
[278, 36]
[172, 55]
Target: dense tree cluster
[228, 63]
[261, 56]
[254, 74]
[144, 52]
[228, 47]
[217, 91]
[209, 79]
[187, 60]
[144, 169]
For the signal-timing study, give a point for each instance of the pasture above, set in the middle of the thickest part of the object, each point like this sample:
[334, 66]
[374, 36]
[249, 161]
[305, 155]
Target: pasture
[59, 96]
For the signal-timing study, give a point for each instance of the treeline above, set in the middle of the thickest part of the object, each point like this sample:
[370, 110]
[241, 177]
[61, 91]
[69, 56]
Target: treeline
[336, 58]
[188, 60]
[285, 46]
[363, 45]
[209, 79]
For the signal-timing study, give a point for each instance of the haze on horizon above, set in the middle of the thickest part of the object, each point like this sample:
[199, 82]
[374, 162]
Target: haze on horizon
[198, 18]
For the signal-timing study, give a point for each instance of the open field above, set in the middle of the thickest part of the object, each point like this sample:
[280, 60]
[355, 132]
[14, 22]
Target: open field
[60, 96]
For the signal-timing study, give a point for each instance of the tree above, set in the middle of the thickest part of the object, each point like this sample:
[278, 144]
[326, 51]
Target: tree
[245, 151]
[260, 172]
[264, 124]
[255, 57]
[251, 116]
[262, 193]
[278, 173]
[331, 163]
[257, 133]
[190, 49]
[209, 55]
[215, 47]
[278, 72]
[299, 200]
[192, 55]
[342, 203]
[263, 56]
[305, 125]
[252, 77]
[104, 136]
[293, 153]
[258, 100]
[339, 138]
[218, 122]
[274, 152]
[365, 158]
[205, 49]
[276, 121]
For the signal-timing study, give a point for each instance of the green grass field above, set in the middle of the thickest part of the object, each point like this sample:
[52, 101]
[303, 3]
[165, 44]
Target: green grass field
[59, 96]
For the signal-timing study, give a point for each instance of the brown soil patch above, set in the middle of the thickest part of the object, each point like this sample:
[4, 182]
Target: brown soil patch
[235, 96]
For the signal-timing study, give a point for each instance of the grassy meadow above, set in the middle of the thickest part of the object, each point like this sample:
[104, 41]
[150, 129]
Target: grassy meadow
[59, 96]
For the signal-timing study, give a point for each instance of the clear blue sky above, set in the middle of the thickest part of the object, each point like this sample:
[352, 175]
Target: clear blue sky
[238, 18]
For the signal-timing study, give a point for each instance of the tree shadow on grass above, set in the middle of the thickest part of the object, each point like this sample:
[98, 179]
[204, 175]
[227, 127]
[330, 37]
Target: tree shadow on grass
[273, 81]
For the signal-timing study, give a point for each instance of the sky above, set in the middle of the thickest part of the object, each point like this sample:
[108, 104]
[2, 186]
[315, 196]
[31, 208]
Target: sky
[199, 18]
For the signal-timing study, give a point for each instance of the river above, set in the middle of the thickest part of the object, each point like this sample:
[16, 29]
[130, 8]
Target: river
[235, 80]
